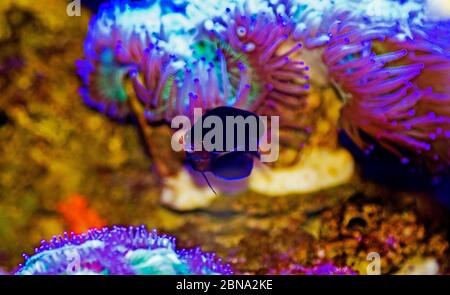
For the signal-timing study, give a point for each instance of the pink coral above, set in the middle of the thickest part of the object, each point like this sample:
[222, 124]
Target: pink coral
[398, 97]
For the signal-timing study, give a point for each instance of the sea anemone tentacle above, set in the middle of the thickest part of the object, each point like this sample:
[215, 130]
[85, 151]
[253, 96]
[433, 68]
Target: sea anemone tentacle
[112, 48]
[314, 19]
[397, 98]
[264, 42]
[250, 64]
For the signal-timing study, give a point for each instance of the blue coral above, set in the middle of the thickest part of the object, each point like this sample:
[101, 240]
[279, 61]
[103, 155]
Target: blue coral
[117, 251]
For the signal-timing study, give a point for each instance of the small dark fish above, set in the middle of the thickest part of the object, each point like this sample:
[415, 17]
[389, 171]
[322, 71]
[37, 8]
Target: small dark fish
[229, 162]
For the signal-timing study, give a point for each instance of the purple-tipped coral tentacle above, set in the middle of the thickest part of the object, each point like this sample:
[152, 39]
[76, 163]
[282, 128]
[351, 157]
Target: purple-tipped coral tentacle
[389, 58]
[247, 63]
[107, 62]
[315, 21]
[397, 98]
[246, 70]
[265, 44]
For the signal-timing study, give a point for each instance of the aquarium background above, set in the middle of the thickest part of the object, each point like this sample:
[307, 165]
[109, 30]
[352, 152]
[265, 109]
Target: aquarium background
[65, 167]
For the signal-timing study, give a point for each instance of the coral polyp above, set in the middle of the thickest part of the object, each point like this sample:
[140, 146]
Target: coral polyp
[119, 250]
[391, 60]
[238, 65]
[235, 62]
[106, 64]
[144, 61]
[166, 91]
[115, 44]
[265, 41]
[394, 97]
[391, 64]
[313, 18]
